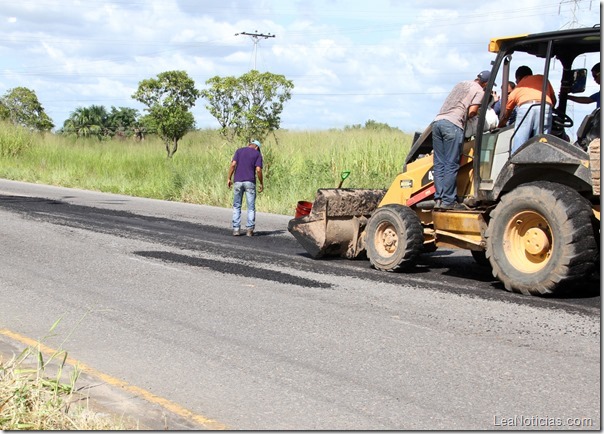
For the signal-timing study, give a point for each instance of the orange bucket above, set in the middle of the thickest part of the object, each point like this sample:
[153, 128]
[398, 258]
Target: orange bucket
[303, 208]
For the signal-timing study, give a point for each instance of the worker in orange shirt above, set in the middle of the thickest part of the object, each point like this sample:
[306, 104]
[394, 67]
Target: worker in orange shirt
[526, 97]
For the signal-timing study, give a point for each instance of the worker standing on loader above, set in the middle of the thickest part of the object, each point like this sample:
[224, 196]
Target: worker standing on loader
[448, 134]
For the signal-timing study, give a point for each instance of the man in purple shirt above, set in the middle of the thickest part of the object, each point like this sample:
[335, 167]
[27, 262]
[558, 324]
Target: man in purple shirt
[246, 165]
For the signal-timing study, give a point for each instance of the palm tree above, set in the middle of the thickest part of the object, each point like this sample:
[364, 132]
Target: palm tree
[87, 121]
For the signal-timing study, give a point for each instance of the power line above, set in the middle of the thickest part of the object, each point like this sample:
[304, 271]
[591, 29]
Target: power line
[255, 38]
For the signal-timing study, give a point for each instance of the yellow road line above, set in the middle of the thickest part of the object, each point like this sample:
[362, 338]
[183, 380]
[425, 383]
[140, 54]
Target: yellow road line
[135, 390]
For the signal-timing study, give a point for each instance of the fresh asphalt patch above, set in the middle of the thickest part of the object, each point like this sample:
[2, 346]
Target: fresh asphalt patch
[445, 270]
[234, 269]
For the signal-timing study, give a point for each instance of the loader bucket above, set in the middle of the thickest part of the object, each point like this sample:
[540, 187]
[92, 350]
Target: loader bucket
[336, 221]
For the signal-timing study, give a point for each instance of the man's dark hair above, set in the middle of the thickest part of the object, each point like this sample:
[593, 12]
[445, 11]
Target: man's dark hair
[596, 67]
[522, 72]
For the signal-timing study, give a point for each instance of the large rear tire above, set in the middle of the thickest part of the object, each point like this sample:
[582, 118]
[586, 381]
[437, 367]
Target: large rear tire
[395, 238]
[539, 237]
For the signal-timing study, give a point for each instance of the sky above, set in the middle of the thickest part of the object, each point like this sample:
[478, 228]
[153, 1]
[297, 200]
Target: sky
[350, 61]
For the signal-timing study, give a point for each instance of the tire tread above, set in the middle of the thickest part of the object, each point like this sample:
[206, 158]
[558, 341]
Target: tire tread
[578, 250]
[414, 238]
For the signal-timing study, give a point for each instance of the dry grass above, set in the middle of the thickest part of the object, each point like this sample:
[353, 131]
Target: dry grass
[39, 394]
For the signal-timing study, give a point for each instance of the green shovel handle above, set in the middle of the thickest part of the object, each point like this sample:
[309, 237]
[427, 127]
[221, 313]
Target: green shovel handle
[343, 175]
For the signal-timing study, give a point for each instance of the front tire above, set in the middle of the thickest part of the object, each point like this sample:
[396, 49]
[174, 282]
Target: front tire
[395, 238]
[539, 237]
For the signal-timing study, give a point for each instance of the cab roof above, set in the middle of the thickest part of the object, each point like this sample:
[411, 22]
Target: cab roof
[566, 43]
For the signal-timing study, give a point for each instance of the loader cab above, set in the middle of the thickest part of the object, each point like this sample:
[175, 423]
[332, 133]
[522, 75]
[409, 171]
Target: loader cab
[563, 58]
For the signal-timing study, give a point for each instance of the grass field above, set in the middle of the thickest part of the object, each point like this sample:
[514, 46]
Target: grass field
[296, 164]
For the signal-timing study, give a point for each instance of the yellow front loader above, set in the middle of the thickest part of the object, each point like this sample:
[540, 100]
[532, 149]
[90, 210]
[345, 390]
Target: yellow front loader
[533, 215]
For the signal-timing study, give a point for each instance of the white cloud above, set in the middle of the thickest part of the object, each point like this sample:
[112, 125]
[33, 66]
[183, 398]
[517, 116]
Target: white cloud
[350, 61]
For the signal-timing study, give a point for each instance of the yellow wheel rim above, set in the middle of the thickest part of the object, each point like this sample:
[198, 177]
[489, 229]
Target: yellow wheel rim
[386, 239]
[528, 242]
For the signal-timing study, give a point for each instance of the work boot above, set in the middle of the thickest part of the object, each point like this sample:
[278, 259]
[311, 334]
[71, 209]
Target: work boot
[428, 204]
[236, 232]
[453, 206]
[250, 233]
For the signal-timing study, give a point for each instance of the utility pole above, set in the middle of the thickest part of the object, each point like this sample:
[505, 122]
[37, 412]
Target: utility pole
[574, 22]
[255, 38]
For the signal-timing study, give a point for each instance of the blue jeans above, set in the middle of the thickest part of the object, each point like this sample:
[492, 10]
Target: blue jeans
[250, 198]
[447, 139]
[529, 127]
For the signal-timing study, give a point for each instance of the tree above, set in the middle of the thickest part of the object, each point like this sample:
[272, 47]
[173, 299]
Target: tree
[249, 106]
[145, 125]
[20, 105]
[95, 121]
[371, 125]
[87, 122]
[374, 125]
[122, 122]
[169, 98]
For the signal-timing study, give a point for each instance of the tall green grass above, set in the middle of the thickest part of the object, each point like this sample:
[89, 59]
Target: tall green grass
[14, 141]
[296, 164]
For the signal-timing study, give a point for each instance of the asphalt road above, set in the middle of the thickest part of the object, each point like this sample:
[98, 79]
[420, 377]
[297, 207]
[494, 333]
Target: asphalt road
[160, 301]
